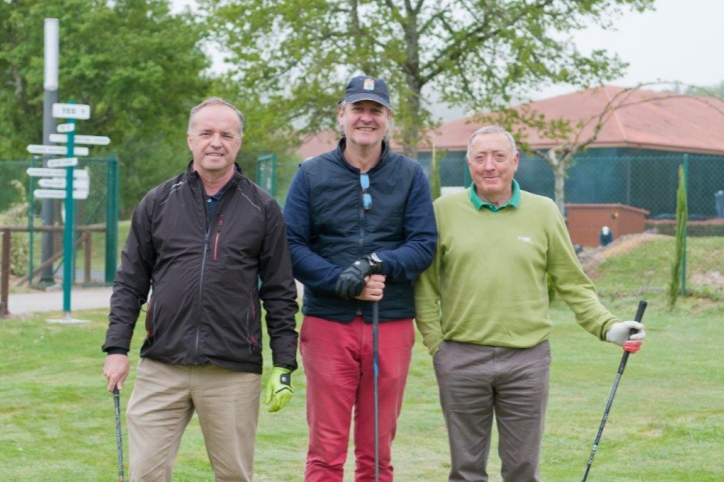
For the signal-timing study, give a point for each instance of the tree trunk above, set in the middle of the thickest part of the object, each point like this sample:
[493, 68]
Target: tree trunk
[559, 173]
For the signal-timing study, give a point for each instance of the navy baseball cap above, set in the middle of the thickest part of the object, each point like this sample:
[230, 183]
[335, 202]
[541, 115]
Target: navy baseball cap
[364, 87]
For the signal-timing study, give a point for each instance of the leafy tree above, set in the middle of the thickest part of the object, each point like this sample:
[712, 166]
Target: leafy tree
[712, 91]
[138, 66]
[294, 56]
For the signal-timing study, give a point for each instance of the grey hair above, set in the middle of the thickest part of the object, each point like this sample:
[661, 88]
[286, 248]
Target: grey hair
[491, 130]
[216, 101]
[390, 124]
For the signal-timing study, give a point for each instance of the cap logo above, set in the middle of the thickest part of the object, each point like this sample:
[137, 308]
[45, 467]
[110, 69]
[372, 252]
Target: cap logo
[369, 84]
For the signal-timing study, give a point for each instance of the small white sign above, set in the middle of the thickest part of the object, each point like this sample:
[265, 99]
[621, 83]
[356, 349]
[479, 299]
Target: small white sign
[59, 183]
[69, 127]
[71, 111]
[61, 150]
[58, 194]
[79, 139]
[47, 172]
[63, 162]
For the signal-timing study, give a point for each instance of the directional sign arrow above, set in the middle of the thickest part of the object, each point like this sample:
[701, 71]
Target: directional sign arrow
[46, 172]
[62, 150]
[65, 162]
[70, 127]
[79, 139]
[71, 111]
[58, 194]
[59, 183]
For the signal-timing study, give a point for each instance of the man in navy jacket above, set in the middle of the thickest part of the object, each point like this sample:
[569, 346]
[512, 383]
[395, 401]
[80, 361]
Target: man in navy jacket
[360, 227]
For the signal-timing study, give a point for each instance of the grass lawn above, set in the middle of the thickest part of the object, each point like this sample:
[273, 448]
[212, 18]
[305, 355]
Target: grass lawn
[666, 424]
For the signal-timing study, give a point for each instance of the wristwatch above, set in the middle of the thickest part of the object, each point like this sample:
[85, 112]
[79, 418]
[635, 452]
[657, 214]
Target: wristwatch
[375, 262]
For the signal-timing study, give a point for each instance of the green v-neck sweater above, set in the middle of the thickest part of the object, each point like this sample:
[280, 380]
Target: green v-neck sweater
[487, 284]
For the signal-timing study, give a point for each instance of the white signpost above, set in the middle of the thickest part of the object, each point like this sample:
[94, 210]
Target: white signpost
[79, 139]
[58, 194]
[55, 183]
[46, 172]
[71, 111]
[63, 162]
[60, 183]
[56, 150]
[66, 183]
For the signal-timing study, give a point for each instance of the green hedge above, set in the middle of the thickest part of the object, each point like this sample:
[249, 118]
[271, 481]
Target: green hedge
[697, 229]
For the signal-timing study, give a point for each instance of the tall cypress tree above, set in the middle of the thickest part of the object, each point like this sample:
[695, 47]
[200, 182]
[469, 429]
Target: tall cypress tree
[682, 216]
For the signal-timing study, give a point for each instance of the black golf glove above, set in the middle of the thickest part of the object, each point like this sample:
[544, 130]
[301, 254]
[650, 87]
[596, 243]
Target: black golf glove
[352, 280]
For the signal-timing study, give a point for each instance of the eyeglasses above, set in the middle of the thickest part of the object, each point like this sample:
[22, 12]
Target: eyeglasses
[364, 181]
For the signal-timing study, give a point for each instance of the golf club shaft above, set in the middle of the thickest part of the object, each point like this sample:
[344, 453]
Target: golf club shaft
[119, 439]
[639, 316]
[375, 354]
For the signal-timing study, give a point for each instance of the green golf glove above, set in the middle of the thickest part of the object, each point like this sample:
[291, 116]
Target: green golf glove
[279, 389]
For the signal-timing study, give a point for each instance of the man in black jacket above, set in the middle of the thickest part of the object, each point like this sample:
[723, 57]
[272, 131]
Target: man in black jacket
[360, 226]
[202, 242]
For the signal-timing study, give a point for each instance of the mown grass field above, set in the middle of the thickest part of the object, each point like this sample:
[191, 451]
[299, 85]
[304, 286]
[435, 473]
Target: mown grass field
[666, 424]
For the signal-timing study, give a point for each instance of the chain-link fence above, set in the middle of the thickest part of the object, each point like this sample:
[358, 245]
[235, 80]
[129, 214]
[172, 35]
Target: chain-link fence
[647, 182]
[37, 244]
[274, 175]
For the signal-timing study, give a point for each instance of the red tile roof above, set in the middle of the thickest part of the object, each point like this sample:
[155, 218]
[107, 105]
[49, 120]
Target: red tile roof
[645, 119]
[669, 122]
[317, 143]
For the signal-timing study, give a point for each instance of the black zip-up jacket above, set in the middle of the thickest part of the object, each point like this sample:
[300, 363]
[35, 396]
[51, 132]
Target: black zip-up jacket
[208, 277]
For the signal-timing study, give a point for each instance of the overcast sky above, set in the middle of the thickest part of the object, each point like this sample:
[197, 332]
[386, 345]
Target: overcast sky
[682, 40]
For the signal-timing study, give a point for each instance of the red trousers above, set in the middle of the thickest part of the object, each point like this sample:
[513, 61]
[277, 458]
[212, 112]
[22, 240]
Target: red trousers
[338, 363]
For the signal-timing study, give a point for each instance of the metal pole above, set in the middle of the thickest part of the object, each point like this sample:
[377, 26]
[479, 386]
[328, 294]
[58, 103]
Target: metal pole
[112, 203]
[31, 224]
[50, 85]
[68, 244]
[375, 362]
[5, 282]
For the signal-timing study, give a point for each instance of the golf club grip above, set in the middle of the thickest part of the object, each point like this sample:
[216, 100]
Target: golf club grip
[639, 315]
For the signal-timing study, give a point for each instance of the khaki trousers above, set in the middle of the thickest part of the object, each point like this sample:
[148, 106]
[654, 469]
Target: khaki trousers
[163, 400]
[480, 382]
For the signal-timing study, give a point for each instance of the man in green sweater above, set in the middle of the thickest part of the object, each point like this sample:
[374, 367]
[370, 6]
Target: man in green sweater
[482, 309]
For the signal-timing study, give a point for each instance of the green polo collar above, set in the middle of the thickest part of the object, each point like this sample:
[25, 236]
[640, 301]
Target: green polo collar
[514, 200]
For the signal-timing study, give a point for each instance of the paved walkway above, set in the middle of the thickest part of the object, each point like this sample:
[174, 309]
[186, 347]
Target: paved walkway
[80, 299]
[43, 301]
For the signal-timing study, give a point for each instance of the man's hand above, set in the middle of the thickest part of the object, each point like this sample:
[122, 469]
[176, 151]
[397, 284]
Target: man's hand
[619, 334]
[352, 280]
[116, 370]
[279, 389]
[374, 288]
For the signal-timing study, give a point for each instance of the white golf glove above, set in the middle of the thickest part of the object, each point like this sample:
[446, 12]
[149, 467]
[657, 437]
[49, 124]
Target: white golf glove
[619, 334]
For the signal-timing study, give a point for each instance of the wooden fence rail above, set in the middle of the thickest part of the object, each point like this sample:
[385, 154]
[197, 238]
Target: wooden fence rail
[83, 238]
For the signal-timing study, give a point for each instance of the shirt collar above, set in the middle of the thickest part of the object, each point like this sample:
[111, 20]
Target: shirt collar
[514, 200]
[216, 197]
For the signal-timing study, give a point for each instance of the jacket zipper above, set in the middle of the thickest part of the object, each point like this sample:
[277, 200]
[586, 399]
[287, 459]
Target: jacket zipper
[201, 277]
[220, 223]
[362, 231]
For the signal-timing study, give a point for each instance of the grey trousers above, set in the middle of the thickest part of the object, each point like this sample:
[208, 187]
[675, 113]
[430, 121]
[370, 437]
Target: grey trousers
[480, 382]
